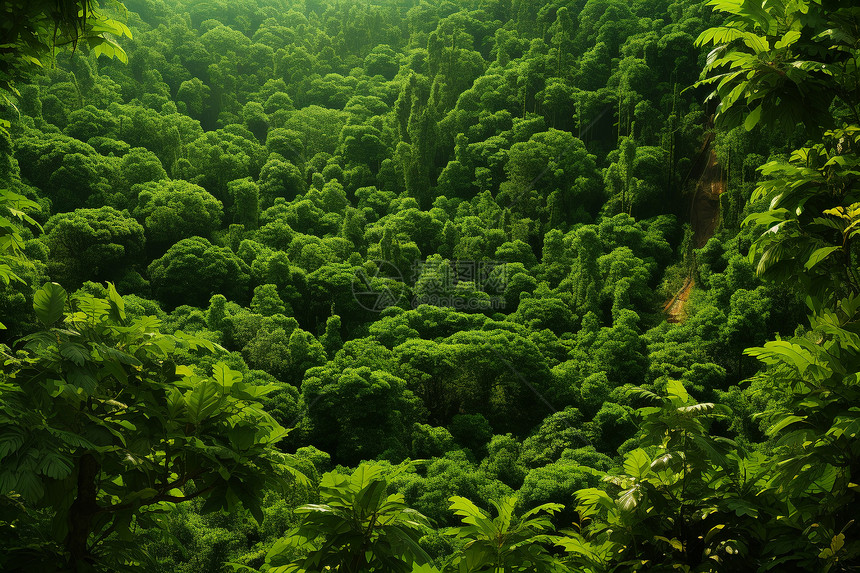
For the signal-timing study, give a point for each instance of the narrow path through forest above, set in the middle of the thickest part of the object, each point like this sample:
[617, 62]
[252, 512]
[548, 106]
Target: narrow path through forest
[704, 218]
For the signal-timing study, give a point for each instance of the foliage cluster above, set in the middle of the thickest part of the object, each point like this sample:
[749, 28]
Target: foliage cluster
[437, 232]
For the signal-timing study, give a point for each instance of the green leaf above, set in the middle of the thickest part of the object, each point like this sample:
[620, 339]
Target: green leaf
[367, 499]
[676, 391]
[48, 302]
[30, 486]
[788, 39]
[74, 352]
[225, 377]
[241, 437]
[82, 378]
[637, 464]
[753, 118]
[630, 499]
[470, 514]
[202, 401]
[117, 304]
[819, 255]
[674, 542]
[10, 441]
[784, 423]
[54, 465]
[713, 531]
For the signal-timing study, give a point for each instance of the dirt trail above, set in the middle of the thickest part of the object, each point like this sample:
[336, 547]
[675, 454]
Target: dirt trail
[675, 309]
[704, 219]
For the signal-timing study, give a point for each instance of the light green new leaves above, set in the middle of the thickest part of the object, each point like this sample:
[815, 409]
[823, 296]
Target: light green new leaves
[637, 464]
[803, 238]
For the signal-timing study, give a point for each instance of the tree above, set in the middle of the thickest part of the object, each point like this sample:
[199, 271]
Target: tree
[195, 95]
[68, 170]
[280, 178]
[89, 122]
[382, 60]
[770, 73]
[816, 441]
[137, 166]
[561, 479]
[284, 350]
[92, 244]
[287, 143]
[174, 210]
[362, 528]
[31, 33]
[651, 511]
[504, 543]
[245, 194]
[357, 413]
[811, 223]
[193, 269]
[13, 208]
[104, 431]
[223, 156]
[555, 165]
[266, 300]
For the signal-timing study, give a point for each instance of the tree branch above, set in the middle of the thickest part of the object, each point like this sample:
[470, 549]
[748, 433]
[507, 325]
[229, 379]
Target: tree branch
[163, 496]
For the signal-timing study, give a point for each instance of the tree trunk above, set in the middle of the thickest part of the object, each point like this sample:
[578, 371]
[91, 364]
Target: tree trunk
[82, 511]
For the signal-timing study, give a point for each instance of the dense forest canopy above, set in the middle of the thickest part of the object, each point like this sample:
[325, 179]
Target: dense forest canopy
[429, 286]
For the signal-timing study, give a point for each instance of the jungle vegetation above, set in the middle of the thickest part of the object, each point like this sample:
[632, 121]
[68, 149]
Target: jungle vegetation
[428, 286]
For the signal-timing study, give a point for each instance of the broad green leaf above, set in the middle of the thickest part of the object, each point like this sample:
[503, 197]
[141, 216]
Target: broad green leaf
[637, 463]
[593, 497]
[202, 401]
[425, 568]
[470, 514]
[82, 378]
[117, 304]
[713, 531]
[48, 302]
[753, 118]
[674, 542]
[74, 352]
[242, 437]
[677, 392]
[784, 423]
[55, 465]
[10, 440]
[183, 370]
[367, 499]
[29, 485]
[225, 376]
[819, 255]
[788, 39]
[629, 499]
